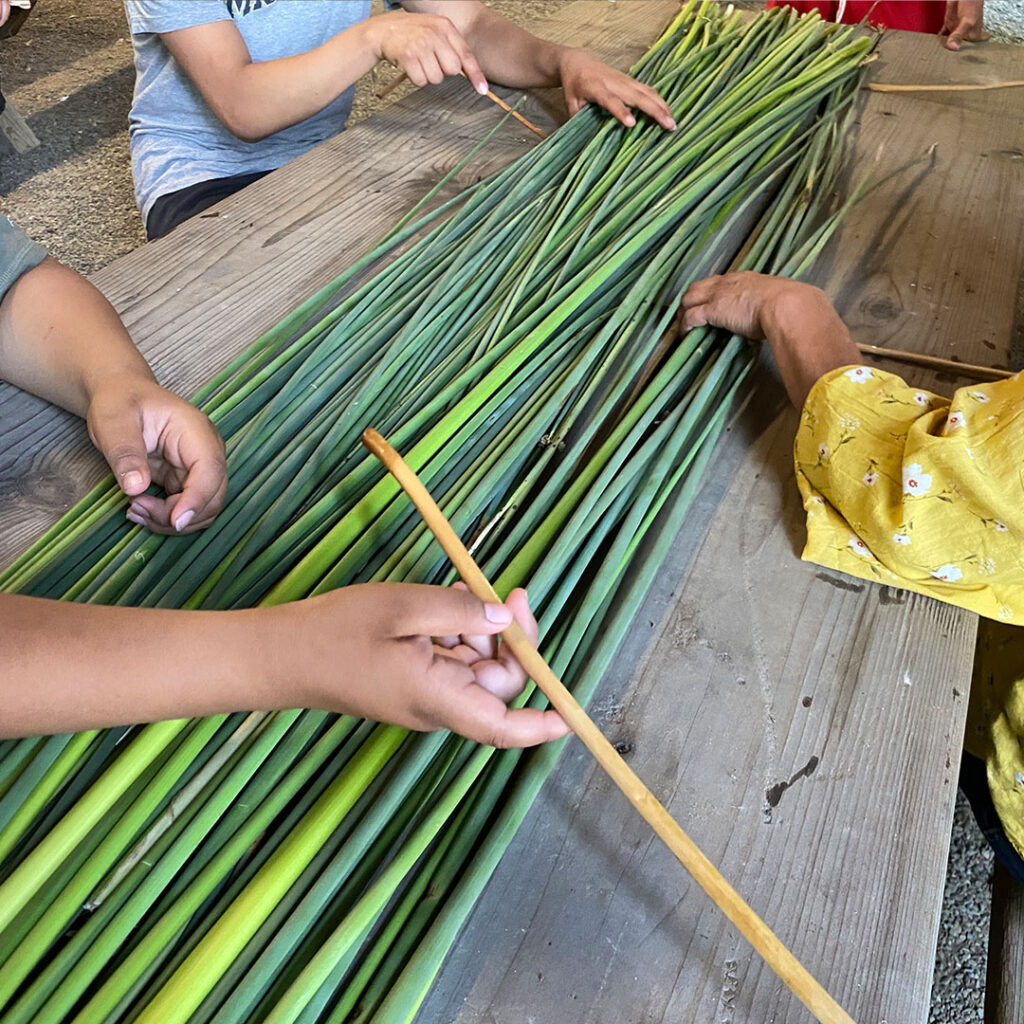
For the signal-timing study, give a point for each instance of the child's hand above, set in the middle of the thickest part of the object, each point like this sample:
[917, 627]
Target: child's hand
[743, 303]
[427, 47]
[422, 657]
[147, 433]
[585, 79]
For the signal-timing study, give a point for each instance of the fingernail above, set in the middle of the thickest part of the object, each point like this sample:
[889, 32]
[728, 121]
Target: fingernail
[630, 122]
[132, 480]
[184, 519]
[134, 518]
[482, 88]
[526, 594]
[497, 613]
[137, 509]
[671, 124]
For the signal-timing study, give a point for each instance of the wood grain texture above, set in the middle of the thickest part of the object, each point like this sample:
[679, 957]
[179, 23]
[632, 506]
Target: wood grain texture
[589, 918]
[1004, 991]
[804, 728]
[931, 261]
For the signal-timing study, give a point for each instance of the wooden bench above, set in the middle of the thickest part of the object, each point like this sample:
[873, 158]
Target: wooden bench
[1004, 983]
[803, 727]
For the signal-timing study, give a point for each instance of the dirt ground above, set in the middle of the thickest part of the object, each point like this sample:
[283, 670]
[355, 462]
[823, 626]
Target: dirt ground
[70, 73]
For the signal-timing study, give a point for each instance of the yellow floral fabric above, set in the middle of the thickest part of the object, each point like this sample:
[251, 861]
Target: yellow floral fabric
[904, 487]
[907, 488]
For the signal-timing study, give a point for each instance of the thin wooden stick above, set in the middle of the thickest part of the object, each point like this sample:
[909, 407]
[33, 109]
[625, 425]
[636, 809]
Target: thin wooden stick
[391, 86]
[515, 113]
[394, 84]
[937, 363]
[973, 87]
[776, 955]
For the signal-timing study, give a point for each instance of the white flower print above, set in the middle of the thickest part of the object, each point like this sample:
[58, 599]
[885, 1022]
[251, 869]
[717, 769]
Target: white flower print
[986, 566]
[860, 374]
[954, 420]
[901, 538]
[915, 481]
[1006, 613]
[1000, 526]
[847, 423]
[823, 450]
[817, 500]
[921, 398]
[860, 548]
[947, 573]
[870, 478]
[979, 396]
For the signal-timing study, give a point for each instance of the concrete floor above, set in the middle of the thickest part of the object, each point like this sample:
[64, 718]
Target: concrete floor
[70, 73]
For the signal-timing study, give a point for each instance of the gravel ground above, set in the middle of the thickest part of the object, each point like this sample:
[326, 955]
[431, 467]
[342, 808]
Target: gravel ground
[70, 73]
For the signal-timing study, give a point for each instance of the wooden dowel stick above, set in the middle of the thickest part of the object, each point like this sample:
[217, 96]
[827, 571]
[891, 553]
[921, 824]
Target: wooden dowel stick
[396, 82]
[391, 86]
[515, 113]
[973, 87]
[937, 363]
[776, 955]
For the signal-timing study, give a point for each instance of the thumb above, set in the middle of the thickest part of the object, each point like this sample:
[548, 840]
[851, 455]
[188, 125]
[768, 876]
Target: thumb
[446, 611]
[118, 436]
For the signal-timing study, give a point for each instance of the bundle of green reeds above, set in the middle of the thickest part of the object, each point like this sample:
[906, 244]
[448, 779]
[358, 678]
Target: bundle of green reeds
[302, 866]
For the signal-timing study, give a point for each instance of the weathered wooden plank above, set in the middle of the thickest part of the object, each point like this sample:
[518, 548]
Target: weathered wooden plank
[805, 730]
[1004, 991]
[814, 722]
[196, 298]
[849, 867]
[932, 260]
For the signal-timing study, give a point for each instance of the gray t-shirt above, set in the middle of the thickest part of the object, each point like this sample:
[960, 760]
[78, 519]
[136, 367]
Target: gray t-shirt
[18, 253]
[176, 140]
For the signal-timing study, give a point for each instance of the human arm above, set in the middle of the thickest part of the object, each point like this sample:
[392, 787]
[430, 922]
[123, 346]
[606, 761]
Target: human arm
[800, 324]
[363, 650]
[63, 341]
[254, 99]
[514, 57]
[964, 21]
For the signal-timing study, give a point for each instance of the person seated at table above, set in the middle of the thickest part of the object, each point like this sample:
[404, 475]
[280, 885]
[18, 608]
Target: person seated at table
[907, 488]
[228, 90]
[70, 667]
[957, 20]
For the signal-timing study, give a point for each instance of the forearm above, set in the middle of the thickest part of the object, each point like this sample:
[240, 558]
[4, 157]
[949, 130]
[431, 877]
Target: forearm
[68, 667]
[254, 99]
[807, 339]
[59, 337]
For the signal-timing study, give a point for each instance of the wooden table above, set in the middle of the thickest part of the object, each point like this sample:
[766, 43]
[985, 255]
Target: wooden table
[805, 728]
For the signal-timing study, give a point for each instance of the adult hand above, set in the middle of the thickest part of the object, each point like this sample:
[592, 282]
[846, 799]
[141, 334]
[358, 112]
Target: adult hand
[964, 21]
[427, 47]
[585, 79]
[741, 302]
[148, 434]
[421, 657]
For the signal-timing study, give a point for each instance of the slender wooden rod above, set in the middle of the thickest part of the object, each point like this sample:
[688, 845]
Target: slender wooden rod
[760, 936]
[937, 363]
[515, 113]
[972, 87]
[399, 79]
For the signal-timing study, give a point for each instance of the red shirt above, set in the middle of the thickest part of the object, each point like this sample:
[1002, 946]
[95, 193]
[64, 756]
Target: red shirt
[912, 15]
